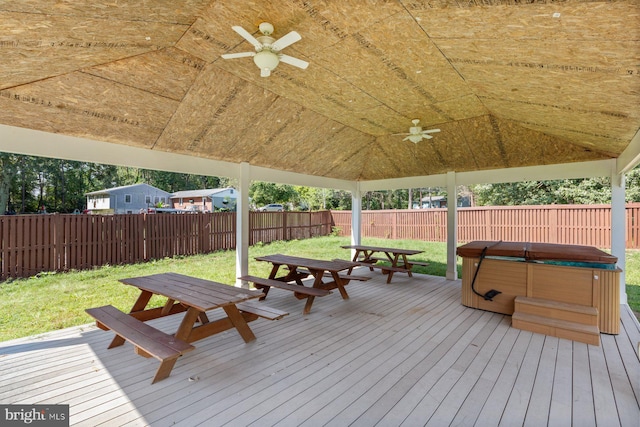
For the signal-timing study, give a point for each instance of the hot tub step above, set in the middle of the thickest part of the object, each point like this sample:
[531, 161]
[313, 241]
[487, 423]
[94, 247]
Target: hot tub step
[588, 334]
[557, 310]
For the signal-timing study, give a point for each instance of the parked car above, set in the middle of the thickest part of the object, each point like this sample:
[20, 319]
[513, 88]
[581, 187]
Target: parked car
[272, 207]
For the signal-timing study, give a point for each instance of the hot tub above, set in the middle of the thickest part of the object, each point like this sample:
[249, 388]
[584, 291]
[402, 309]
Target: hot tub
[571, 274]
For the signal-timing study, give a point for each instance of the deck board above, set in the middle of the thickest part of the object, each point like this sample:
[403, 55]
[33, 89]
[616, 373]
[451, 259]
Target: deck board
[560, 409]
[624, 397]
[407, 354]
[582, 410]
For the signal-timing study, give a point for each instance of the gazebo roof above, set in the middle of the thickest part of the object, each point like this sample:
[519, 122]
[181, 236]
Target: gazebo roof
[509, 83]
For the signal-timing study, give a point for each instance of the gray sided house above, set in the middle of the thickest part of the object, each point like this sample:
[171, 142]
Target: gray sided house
[137, 198]
[206, 200]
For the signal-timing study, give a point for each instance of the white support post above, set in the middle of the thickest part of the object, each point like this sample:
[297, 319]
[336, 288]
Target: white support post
[356, 216]
[618, 223]
[242, 223]
[452, 226]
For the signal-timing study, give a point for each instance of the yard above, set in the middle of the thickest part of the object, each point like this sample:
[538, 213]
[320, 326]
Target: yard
[55, 301]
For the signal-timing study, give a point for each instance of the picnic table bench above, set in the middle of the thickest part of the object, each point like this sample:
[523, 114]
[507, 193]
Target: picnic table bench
[397, 257]
[148, 341]
[341, 275]
[299, 291]
[184, 294]
[297, 269]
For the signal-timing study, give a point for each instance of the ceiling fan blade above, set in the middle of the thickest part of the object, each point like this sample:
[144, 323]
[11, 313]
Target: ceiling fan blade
[431, 131]
[265, 72]
[238, 55]
[286, 40]
[294, 61]
[247, 36]
[407, 138]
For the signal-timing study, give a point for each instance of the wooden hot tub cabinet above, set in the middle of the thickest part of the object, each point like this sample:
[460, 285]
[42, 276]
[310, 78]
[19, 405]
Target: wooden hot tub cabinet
[589, 278]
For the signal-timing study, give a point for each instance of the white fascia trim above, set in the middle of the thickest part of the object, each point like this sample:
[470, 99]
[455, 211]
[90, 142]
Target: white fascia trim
[630, 157]
[537, 173]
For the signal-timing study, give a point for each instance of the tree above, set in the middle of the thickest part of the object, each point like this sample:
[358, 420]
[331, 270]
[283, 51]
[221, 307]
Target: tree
[569, 191]
[263, 193]
[9, 165]
[313, 198]
[632, 183]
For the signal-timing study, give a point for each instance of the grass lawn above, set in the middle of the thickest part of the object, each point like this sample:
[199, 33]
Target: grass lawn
[58, 300]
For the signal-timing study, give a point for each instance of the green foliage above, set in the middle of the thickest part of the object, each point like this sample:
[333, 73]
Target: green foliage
[576, 191]
[313, 198]
[26, 183]
[632, 185]
[632, 279]
[589, 191]
[263, 193]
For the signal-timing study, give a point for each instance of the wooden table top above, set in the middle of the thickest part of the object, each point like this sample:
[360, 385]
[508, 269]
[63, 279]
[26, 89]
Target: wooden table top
[198, 293]
[310, 263]
[381, 249]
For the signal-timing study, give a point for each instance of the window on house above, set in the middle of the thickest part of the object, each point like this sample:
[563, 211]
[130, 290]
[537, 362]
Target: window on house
[127, 198]
[147, 199]
[156, 200]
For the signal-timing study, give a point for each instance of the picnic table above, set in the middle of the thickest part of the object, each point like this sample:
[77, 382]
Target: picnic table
[327, 275]
[184, 294]
[369, 256]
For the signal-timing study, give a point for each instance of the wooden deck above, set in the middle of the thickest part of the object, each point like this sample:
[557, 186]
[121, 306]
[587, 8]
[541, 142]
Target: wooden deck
[405, 354]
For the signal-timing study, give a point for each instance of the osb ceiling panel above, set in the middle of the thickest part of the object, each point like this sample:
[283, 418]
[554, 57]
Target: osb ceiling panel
[37, 46]
[509, 84]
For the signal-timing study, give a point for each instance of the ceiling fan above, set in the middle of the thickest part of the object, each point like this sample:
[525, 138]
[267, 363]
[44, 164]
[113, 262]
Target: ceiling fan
[267, 55]
[416, 134]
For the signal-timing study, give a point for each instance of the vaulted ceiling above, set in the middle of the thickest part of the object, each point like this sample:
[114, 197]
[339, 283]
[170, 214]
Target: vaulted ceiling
[510, 83]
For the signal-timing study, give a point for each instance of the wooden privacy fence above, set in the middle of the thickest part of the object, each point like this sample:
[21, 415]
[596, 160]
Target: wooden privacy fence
[568, 224]
[30, 244]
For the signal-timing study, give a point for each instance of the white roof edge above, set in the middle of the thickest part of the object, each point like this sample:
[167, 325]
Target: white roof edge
[630, 157]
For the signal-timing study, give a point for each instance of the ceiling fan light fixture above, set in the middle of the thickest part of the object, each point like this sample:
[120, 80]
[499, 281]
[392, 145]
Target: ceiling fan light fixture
[266, 60]
[266, 28]
[416, 134]
[267, 54]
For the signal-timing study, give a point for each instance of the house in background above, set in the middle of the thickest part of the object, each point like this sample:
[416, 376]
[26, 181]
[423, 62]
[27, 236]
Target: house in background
[134, 198]
[206, 200]
[464, 201]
